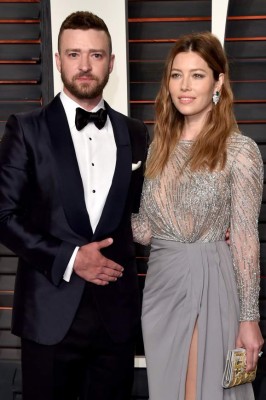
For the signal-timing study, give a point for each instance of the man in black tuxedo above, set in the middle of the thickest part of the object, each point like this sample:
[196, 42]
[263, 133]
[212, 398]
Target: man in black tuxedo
[69, 182]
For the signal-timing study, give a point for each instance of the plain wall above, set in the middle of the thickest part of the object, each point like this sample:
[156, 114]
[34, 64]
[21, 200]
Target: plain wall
[219, 14]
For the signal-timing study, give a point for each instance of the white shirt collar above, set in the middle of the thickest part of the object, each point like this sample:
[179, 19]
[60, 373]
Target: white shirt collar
[71, 105]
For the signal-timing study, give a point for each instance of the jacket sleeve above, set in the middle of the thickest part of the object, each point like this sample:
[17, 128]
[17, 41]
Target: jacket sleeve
[48, 254]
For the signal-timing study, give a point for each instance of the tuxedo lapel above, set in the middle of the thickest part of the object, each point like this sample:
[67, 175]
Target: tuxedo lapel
[69, 178]
[116, 199]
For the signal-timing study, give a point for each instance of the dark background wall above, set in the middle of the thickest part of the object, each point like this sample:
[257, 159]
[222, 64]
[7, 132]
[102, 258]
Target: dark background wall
[26, 82]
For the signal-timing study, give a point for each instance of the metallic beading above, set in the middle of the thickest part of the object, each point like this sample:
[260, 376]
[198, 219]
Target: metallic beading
[200, 206]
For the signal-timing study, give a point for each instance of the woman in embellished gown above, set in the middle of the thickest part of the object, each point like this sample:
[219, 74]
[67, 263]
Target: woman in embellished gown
[202, 177]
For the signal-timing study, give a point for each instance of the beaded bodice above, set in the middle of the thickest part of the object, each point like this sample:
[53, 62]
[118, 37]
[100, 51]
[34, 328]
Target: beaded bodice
[188, 206]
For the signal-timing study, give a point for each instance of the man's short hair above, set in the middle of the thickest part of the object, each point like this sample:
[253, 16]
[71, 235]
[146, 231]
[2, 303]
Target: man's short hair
[84, 20]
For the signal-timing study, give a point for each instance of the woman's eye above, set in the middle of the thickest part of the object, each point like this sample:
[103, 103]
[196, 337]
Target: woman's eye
[198, 76]
[175, 75]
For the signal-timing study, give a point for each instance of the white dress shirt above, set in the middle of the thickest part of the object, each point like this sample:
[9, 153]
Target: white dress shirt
[96, 155]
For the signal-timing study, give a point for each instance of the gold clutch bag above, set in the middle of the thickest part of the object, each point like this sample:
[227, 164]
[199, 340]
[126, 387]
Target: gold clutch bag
[235, 369]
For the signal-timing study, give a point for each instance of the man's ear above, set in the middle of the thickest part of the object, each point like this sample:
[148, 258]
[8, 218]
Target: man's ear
[111, 63]
[58, 61]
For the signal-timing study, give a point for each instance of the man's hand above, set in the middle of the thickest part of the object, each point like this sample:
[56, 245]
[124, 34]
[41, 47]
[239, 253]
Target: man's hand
[92, 266]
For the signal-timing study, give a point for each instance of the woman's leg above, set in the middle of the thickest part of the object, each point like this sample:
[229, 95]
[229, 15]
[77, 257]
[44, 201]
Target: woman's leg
[191, 381]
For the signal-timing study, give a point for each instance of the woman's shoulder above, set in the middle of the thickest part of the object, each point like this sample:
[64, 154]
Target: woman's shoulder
[242, 147]
[239, 141]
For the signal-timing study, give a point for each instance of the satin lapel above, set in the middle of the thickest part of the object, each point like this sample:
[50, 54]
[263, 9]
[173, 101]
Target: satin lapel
[116, 199]
[68, 171]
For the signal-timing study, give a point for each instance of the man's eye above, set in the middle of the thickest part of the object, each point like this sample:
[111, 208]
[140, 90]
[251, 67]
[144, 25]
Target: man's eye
[73, 55]
[97, 55]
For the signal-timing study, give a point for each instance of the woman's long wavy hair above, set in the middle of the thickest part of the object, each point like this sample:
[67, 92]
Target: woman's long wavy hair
[209, 149]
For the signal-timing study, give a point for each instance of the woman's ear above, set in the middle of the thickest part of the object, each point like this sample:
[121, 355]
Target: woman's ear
[219, 83]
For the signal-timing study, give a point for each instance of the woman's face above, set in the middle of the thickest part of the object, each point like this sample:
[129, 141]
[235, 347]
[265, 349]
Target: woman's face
[192, 85]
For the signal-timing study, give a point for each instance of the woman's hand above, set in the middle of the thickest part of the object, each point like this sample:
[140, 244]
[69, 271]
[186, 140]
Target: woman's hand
[250, 338]
[227, 236]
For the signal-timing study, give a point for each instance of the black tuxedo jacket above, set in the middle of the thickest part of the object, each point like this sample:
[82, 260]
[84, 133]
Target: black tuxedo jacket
[43, 218]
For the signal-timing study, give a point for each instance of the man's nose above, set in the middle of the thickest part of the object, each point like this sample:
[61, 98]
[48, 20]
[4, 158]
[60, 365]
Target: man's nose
[85, 64]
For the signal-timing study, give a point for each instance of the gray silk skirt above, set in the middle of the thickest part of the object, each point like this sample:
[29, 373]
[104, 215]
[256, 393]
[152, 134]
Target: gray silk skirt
[189, 283]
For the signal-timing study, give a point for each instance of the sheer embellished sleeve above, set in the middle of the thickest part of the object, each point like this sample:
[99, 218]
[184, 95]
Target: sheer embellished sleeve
[246, 195]
[140, 222]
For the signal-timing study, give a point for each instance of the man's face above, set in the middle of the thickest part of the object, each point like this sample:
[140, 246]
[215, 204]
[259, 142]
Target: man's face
[84, 63]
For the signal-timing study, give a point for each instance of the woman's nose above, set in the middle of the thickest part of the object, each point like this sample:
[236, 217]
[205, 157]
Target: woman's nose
[185, 84]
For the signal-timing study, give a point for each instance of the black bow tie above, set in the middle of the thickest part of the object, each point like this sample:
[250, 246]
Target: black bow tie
[83, 117]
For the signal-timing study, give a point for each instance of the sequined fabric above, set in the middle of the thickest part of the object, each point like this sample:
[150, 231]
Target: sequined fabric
[199, 206]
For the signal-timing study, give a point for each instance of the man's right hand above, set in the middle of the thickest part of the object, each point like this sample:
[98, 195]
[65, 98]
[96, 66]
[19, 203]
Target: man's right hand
[92, 266]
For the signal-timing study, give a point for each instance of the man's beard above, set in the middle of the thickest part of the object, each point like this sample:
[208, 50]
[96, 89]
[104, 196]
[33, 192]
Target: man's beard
[85, 90]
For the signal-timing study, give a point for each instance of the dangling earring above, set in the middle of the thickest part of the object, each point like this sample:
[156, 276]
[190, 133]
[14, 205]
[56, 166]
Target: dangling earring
[216, 97]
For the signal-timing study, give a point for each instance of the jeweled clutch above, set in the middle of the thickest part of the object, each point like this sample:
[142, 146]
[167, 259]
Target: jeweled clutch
[235, 369]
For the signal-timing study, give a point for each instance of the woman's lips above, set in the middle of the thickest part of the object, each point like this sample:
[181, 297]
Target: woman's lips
[186, 100]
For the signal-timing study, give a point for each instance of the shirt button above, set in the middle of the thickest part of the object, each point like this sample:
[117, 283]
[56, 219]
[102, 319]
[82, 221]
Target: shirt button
[92, 164]
[93, 191]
